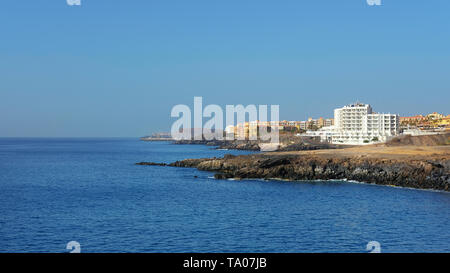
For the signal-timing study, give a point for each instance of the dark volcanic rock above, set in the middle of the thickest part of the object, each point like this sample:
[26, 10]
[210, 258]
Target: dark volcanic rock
[228, 156]
[151, 164]
[275, 161]
[287, 144]
[225, 144]
[307, 147]
[222, 176]
[423, 174]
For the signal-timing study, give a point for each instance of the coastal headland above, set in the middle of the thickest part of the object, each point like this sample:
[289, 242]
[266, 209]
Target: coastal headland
[288, 142]
[425, 166]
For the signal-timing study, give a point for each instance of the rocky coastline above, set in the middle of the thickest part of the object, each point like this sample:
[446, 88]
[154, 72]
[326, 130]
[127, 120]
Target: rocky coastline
[412, 167]
[246, 145]
[296, 144]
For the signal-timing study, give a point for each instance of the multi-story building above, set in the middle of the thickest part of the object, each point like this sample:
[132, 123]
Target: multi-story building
[303, 125]
[429, 122]
[320, 122]
[357, 124]
[434, 116]
[412, 120]
[242, 130]
[329, 122]
[444, 122]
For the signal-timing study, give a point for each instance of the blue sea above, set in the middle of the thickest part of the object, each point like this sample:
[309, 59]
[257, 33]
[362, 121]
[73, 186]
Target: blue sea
[57, 190]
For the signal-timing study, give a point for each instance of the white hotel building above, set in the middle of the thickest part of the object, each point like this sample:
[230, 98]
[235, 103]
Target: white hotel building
[356, 124]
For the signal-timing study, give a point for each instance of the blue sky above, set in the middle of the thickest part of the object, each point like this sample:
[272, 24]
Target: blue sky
[116, 68]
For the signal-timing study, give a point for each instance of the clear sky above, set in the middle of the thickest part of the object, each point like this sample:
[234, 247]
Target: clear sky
[116, 67]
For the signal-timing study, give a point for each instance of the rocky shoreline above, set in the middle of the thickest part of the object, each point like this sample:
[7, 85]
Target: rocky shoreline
[253, 145]
[246, 145]
[404, 168]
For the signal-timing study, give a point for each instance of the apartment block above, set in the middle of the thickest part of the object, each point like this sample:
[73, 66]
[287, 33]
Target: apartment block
[358, 124]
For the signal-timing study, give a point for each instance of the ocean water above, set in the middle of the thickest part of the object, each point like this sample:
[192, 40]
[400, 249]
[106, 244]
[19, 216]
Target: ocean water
[53, 191]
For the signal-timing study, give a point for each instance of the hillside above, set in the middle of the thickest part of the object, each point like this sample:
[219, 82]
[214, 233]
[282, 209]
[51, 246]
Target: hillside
[430, 140]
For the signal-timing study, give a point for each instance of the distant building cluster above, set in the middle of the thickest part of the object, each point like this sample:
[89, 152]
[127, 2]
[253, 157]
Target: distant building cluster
[354, 124]
[314, 124]
[160, 135]
[427, 122]
[357, 124]
[250, 130]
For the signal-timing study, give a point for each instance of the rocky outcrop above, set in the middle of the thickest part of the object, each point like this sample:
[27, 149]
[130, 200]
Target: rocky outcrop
[422, 174]
[247, 145]
[425, 140]
[307, 147]
[151, 164]
[255, 145]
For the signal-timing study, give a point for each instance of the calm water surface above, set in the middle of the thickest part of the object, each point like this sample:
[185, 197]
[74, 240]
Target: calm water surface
[53, 191]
